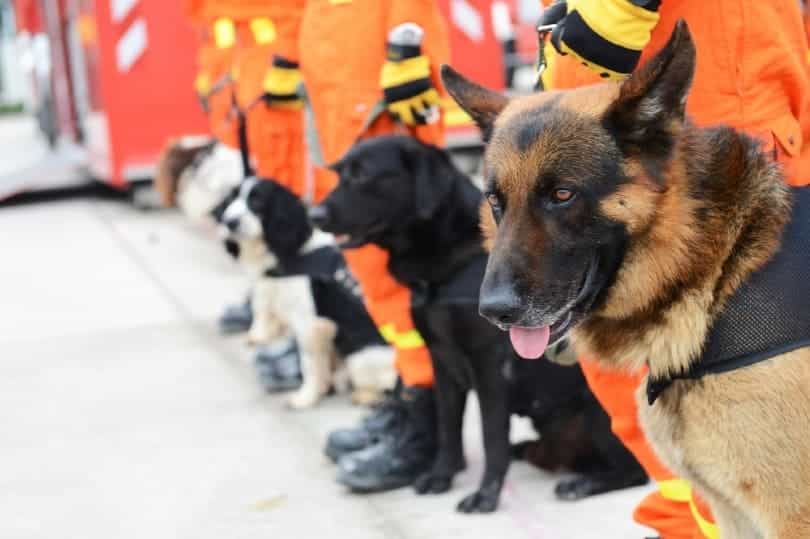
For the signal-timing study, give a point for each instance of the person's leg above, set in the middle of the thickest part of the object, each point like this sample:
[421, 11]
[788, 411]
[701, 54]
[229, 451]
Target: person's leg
[406, 447]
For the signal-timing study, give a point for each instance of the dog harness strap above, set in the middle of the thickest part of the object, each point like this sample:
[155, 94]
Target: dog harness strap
[244, 149]
[767, 315]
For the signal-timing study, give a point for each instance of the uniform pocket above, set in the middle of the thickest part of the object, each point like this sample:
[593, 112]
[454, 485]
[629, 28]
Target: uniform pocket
[787, 135]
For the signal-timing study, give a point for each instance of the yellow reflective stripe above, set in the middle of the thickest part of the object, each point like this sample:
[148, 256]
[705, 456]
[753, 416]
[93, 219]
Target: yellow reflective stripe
[339, 2]
[708, 529]
[618, 21]
[264, 31]
[224, 33]
[407, 340]
[282, 81]
[676, 490]
[679, 490]
[202, 84]
[404, 71]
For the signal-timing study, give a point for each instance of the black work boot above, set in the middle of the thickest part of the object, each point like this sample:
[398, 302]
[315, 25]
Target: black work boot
[400, 456]
[236, 318]
[382, 420]
[279, 365]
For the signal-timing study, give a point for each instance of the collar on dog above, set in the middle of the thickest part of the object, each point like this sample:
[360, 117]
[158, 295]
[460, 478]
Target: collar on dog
[767, 316]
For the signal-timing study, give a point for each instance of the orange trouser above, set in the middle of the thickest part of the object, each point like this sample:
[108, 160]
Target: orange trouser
[342, 50]
[754, 79]
[274, 135]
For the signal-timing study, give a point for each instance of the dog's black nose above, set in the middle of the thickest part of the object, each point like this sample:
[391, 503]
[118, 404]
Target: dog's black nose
[232, 224]
[500, 306]
[319, 215]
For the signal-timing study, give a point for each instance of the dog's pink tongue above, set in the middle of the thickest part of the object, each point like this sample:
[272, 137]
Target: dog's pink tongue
[529, 343]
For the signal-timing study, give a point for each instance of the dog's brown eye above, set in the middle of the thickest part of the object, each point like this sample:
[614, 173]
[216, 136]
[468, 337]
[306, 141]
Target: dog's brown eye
[562, 195]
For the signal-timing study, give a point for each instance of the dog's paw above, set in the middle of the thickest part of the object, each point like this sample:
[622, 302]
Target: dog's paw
[255, 338]
[582, 486]
[432, 483]
[303, 400]
[479, 502]
[365, 397]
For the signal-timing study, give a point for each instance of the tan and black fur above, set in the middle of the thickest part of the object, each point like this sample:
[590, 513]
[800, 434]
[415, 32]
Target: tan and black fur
[665, 222]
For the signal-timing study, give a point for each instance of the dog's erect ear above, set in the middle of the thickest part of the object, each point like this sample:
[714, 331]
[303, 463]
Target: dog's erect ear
[432, 174]
[482, 104]
[652, 102]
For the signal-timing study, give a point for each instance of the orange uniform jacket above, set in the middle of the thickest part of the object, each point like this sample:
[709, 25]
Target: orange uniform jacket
[750, 76]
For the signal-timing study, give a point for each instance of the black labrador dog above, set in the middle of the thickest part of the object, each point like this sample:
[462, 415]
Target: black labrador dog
[409, 199]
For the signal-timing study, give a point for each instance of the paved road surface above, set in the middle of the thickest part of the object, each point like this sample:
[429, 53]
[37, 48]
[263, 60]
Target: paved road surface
[124, 415]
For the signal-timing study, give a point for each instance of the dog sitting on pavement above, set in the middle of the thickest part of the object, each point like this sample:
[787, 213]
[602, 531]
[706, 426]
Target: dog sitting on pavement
[658, 244]
[327, 317]
[410, 200]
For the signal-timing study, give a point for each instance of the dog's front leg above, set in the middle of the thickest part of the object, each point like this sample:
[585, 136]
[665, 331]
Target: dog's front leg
[492, 390]
[317, 352]
[450, 402]
[266, 324]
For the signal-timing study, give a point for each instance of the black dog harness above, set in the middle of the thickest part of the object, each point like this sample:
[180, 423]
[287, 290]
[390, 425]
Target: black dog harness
[768, 315]
[336, 294]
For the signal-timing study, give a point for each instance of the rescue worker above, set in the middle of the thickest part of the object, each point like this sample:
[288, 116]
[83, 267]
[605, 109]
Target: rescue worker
[273, 138]
[216, 93]
[214, 61]
[370, 67]
[752, 74]
[244, 36]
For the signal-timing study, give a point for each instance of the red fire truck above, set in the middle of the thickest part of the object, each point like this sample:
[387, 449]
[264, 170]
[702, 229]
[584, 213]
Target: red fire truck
[121, 75]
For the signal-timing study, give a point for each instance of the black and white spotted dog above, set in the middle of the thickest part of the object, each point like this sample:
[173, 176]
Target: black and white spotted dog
[305, 288]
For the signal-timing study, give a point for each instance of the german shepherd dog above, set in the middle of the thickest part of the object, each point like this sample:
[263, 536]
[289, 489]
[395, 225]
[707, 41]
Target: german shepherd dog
[618, 222]
[409, 199]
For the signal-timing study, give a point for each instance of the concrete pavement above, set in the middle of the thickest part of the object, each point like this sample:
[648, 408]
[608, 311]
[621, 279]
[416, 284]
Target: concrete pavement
[124, 415]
